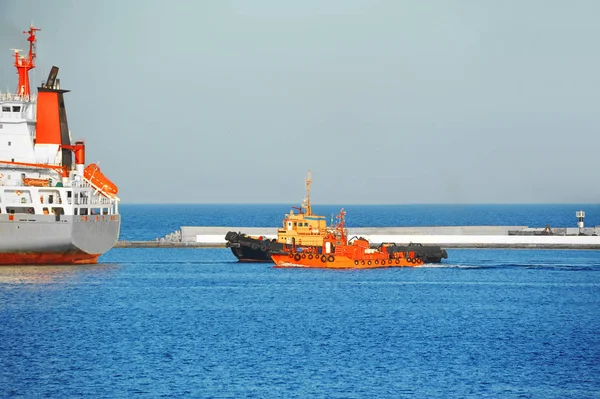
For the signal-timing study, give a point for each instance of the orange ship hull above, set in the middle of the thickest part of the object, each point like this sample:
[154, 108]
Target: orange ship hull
[333, 261]
[74, 258]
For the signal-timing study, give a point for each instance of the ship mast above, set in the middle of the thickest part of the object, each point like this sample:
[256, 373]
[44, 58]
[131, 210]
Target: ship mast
[306, 202]
[24, 65]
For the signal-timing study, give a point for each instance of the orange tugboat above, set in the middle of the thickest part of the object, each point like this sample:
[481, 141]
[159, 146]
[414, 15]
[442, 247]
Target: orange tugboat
[338, 252]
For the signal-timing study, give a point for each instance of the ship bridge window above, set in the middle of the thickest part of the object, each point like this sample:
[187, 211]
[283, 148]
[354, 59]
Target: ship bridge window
[58, 211]
[5, 109]
[16, 108]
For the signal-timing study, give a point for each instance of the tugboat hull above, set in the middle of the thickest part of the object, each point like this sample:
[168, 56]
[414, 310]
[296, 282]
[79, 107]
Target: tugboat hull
[251, 249]
[258, 249]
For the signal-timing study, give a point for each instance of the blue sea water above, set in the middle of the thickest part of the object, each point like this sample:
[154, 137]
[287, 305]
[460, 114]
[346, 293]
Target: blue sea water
[189, 322]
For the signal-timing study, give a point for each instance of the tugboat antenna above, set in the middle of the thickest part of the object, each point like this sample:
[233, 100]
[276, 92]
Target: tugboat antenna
[307, 199]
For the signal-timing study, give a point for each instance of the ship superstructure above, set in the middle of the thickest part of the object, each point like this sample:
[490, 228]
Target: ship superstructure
[53, 207]
[302, 227]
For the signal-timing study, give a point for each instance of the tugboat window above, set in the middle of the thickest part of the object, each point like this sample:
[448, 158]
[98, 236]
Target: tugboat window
[5, 109]
[16, 108]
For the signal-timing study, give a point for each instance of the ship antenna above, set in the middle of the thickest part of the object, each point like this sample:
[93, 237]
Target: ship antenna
[307, 199]
[24, 65]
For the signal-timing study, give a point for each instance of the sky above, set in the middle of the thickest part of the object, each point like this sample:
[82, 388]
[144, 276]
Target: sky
[386, 102]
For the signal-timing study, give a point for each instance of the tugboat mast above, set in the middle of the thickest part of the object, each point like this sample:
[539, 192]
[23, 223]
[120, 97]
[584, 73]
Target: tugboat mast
[306, 203]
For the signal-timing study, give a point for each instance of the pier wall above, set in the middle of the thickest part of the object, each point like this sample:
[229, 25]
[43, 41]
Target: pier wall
[444, 236]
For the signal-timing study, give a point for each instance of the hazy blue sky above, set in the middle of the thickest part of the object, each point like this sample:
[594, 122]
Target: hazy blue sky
[445, 101]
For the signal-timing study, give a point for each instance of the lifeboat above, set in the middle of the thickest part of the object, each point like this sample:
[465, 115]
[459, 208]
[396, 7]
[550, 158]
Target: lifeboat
[337, 252]
[30, 181]
[96, 178]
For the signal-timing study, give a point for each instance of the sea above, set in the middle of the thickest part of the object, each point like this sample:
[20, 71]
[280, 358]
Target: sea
[195, 323]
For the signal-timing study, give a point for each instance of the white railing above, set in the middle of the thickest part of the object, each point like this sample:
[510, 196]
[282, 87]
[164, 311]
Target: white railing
[13, 97]
[80, 184]
[93, 201]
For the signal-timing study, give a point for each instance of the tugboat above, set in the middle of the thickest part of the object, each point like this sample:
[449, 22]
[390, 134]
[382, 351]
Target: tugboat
[299, 228]
[53, 209]
[303, 228]
[337, 252]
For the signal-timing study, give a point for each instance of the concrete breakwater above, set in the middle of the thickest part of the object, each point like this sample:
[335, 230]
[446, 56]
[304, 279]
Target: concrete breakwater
[511, 237]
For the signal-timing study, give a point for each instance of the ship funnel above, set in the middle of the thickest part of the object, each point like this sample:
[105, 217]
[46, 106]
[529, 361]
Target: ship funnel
[52, 128]
[51, 78]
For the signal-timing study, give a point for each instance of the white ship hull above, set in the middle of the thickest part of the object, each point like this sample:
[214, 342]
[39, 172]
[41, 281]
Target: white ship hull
[62, 239]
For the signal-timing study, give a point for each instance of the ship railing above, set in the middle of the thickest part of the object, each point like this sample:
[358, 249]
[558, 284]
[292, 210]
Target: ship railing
[14, 97]
[94, 201]
[80, 184]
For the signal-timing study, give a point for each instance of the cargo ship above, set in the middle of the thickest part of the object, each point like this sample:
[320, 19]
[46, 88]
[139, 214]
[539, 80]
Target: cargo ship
[339, 252]
[54, 209]
[300, 227]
